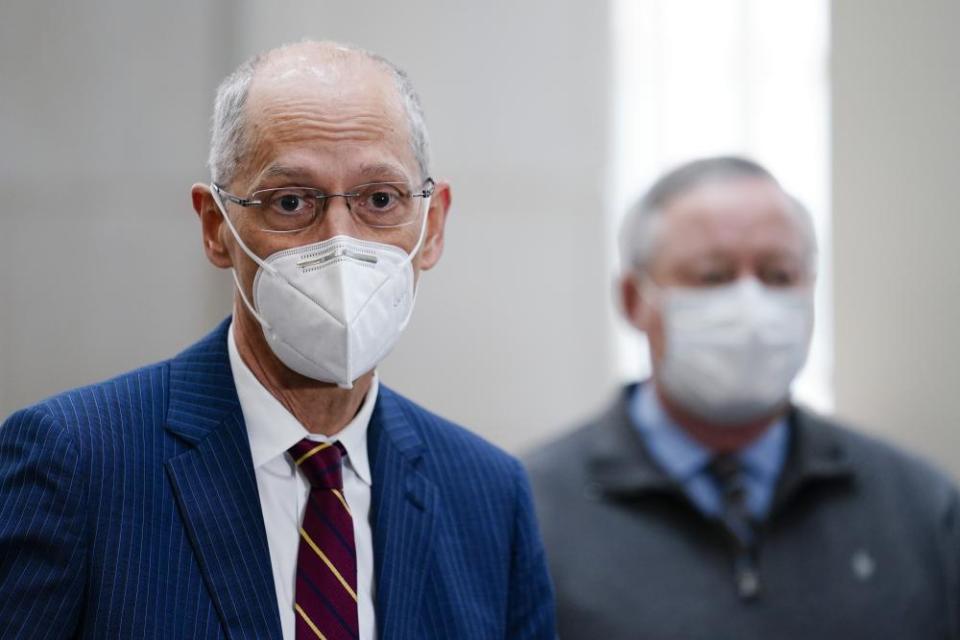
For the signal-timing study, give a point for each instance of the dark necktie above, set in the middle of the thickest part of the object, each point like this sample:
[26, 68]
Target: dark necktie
[727, 473]
[326, 591]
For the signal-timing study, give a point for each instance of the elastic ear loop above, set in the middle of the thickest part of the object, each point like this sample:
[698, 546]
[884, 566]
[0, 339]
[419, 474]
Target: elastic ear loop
[416, 249]
[263, 265]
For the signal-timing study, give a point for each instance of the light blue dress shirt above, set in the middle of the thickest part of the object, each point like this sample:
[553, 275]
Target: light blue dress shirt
[685, 460]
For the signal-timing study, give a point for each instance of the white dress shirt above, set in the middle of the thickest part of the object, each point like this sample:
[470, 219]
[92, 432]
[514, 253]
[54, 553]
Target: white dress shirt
[272, 430]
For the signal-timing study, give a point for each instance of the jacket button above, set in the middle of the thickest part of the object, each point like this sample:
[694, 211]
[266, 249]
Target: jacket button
[748, 584]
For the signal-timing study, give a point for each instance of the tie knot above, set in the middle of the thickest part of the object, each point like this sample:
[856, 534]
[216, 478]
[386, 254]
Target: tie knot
[728, 473]
[321, 462]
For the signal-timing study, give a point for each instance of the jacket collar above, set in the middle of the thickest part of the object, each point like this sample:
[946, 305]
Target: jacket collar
[403, 511]
[619, 464]
[214, 485]
[817, 454]
[202, 392]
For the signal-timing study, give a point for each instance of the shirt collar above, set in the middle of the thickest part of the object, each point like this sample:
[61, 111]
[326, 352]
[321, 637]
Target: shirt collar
[272, 429]
[682, 457]
[765, 456]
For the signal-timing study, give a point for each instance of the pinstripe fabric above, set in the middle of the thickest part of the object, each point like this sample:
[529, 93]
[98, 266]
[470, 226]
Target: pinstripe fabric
[129, 509]
[457, 550]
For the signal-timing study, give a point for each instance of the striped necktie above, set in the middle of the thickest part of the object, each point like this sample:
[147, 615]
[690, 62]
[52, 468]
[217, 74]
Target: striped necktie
[326, 591]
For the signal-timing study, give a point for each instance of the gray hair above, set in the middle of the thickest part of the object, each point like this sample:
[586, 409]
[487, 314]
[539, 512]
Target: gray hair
[640, 229]
[229, 141]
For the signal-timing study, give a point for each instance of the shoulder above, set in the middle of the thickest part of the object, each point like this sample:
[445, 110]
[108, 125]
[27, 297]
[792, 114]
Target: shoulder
[564, 462]
[133, 400]
[51, 452]
[886, 470]
[111, 404]
[561, 472]
[567, 451]
[451, 451]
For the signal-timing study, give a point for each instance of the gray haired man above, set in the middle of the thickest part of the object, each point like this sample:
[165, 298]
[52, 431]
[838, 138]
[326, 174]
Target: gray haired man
[264, 483]
[704, 504]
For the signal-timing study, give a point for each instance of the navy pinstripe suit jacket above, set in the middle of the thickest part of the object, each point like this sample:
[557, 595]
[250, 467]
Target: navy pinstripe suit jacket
[129, 509]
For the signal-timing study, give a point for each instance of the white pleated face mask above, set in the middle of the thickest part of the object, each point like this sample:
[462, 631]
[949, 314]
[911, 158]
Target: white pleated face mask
[732, 351]
[332, 310]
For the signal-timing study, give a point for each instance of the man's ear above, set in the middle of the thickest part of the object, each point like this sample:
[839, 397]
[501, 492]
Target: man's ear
[211, 226]
[432, 247]
[633, 302]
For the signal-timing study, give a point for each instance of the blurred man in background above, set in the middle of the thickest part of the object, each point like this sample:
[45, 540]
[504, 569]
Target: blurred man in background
[263, 484]
[703, 503]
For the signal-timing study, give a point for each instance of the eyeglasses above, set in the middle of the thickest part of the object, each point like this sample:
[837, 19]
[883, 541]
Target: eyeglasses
[382, 205]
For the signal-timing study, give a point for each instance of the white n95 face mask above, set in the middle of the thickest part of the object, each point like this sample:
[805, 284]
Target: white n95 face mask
[732, 351]
[332, 310]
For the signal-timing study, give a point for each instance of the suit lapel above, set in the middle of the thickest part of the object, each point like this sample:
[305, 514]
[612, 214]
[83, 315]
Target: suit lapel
[404, 511]
[216, 491]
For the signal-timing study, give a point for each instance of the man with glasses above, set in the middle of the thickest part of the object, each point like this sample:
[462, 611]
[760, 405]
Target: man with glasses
[263, 483]
[702, 504]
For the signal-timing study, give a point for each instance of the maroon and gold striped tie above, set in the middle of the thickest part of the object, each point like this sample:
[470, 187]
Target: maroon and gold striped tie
[326, 593]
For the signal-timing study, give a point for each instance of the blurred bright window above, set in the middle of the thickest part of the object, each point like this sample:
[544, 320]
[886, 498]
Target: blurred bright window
[706, 77]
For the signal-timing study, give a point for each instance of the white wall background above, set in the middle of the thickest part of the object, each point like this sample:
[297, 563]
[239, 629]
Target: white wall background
[896, 162]
[103, 118]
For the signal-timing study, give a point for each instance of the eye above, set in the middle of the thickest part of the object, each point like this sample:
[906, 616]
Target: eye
[777, 277]
[713, 277]
[292, 202]
[289, 203]
[380, 197]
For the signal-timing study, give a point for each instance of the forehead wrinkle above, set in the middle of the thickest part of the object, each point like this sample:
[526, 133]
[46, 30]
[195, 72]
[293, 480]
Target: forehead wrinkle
[310, 113]
[291, 120]
[277, 170]
[379, 169]
[305, 129]
[333, 93]
[372, 172]
[332, 107]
